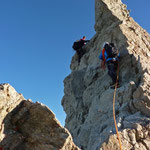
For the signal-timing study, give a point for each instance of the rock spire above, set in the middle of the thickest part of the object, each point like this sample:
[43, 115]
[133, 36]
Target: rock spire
[87, 97]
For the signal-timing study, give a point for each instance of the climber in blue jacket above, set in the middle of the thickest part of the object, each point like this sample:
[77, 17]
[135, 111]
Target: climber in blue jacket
[110, 56]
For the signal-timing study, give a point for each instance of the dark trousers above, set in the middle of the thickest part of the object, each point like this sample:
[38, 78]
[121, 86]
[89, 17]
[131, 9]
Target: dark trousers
[80, 53]
[112, 71]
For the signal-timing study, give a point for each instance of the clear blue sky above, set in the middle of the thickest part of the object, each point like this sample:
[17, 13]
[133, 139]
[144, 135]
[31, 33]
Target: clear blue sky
[36, 39]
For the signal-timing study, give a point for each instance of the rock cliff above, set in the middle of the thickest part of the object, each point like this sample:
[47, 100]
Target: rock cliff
[87, 100]
[25, 125]
[87, 97]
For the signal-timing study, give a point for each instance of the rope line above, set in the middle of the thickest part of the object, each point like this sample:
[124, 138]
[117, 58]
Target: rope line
[114, 107]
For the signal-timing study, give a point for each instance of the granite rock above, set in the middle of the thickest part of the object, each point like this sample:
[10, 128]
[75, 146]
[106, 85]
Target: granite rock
[25, 125]
[87, 97]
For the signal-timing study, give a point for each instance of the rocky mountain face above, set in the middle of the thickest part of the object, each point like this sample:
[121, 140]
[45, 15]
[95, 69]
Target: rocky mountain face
[88, 99]
[25, 125]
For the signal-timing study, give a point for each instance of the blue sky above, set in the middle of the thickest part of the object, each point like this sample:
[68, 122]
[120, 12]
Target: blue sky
[36, 39]
[140, 11]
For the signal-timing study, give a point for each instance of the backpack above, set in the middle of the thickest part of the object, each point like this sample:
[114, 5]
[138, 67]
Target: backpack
[78, 44]
[111, 50]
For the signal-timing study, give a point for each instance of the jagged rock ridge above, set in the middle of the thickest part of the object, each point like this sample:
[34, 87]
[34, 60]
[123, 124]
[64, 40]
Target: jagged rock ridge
[25, 125]
[88, 99]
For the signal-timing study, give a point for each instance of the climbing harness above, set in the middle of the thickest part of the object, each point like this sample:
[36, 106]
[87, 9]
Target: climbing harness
[114, 107]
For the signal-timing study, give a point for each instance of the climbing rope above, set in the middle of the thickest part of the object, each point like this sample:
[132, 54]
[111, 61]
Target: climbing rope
[114, 107]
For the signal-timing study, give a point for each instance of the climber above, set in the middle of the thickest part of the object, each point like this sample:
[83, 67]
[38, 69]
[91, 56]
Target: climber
[78, 47]
[110, 56]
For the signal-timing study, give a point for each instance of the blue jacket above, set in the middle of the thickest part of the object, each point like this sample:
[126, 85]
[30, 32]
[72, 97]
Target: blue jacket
[106, 56]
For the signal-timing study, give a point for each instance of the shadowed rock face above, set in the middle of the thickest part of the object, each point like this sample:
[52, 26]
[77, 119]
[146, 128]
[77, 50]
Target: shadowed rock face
[25, 125]
[87, 97]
